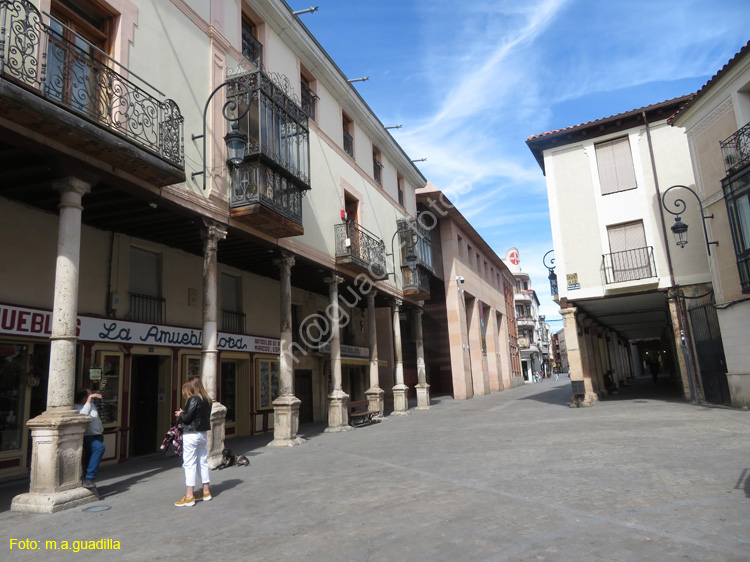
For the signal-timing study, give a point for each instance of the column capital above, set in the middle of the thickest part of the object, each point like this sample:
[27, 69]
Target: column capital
[333, 280]
[418, 312]
[397, 303]
[284, 261]
[570, 310]
[371, 296]
[212, 233]
[72, 183]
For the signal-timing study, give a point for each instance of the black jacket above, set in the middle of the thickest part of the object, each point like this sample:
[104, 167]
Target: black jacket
[196, 416]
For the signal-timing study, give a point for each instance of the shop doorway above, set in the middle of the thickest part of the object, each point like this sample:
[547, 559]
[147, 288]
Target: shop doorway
[304, 391]
[144, 405]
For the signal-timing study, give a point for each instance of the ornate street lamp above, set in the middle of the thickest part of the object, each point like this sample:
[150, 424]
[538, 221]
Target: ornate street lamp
[235, 140]
[552, 275]
[679, 228]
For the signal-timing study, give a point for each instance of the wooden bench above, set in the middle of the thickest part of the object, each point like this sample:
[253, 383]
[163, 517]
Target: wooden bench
[359, 414]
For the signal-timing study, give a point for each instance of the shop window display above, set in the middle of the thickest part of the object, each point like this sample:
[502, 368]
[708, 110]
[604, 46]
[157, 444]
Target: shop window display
[13, 368]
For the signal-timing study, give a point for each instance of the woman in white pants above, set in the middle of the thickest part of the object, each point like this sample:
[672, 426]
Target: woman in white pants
[196, 421]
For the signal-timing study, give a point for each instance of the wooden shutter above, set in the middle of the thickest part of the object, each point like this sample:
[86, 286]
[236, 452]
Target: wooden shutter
[615, 165]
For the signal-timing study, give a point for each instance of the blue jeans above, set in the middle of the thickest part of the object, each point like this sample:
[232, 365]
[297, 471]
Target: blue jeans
[93, 445]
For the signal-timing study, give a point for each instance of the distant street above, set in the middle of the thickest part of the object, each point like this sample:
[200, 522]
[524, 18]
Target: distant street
[516, 475]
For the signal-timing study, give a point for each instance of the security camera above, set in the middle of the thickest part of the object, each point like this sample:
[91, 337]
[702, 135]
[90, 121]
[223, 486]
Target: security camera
[460, 279]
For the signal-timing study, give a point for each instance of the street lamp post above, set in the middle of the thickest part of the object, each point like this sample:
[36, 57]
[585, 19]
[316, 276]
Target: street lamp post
[236, 140]
[552, 275]
[679, 228]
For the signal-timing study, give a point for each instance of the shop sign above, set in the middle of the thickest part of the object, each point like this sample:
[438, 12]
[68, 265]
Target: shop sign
[19, 321]
[573, 281]
[348, 350]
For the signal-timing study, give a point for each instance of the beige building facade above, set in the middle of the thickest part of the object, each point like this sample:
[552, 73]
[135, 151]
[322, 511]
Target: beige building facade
[622, 286]
[716, 121]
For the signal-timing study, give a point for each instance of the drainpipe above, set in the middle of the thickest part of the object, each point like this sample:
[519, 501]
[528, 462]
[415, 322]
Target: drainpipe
[685, 340]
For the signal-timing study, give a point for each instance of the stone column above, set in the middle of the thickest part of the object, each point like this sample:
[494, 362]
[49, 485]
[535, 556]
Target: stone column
[57, 434]
[211, 234]
[338, 400]
[423, 389]
[286, 406]
[577, 356]
[400, 400]
[375, 394]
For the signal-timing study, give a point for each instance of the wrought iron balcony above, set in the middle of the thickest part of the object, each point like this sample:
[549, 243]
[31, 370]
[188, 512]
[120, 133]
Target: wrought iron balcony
[360, 249]
[78, 78]
[252, 49]
[308, 100]
[348, 144]
[232, 322]
[630, 265]
[145, 308]
[267, 188]
[416, 283]
[736, 150]
[266, 200]
[415, 238]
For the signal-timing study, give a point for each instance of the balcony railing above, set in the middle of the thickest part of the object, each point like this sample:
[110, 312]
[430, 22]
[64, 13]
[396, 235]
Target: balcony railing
[232, 322]
[145, 308]
[255, 183]
[630, 265]
[308, 98]
[357, 246]
[275, 124]
[348, 144]
[736, 150]
[252, 49]
[417, 281]
[415, 238]
[38, 57]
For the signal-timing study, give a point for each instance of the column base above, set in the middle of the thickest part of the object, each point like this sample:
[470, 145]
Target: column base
[286, 421]
[216, 436]
[423, 396]
[338, 412]
[400, 401]
[34, 502]
[583, 400]
[376, 401]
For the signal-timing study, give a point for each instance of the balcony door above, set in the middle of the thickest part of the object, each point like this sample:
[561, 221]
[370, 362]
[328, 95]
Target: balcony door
[75, 66]
[629, 256]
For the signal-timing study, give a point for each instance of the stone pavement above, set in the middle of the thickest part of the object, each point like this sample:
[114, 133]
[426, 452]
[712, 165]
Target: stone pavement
[516, 475]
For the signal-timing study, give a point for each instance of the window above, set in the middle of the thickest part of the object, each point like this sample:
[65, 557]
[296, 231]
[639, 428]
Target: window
[400, 184]
[470, 253]
[80, 30]
[13, 369]
[460, 242]
[615, 165]
[146, 304]
[629, 259]
[348, 130]
[377, 167]
[267, 370]
[232, 318]
[737, 197]
[252, 49]
[308, 95]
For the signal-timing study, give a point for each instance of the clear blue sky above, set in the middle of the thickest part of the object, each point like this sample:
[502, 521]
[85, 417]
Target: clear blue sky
[470, 81]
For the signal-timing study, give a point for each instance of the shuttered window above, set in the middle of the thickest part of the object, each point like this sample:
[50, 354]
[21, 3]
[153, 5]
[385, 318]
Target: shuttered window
[144, 273]
[615, 164]
[630, 236]
[630, 259]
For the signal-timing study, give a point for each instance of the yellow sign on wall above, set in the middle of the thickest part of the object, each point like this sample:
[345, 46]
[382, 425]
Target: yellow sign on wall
[573, 281]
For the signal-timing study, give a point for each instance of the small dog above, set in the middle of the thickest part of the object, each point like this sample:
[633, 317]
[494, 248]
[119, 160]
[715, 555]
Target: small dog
[228, 459]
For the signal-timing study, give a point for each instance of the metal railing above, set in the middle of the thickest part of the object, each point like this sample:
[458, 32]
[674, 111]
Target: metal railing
[348, 144]
[232, 322]
[417, 280]
[253, 182]
[252, 49]
[145, 308]
[39, 58]
[363, 247]
[308, 99]
[630, 265]
[736, 150]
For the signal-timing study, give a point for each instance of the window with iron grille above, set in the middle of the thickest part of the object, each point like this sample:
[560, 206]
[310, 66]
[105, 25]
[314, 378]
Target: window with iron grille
[737, 198]
[400, 182]
[630, 259]
[252, 49]
[308, 97]
[377, 166]
[232, 317]
[615, 165]
[348, 130]
[146, 303]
